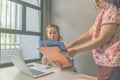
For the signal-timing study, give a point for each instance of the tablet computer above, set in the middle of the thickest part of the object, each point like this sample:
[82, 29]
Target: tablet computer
[54, 54]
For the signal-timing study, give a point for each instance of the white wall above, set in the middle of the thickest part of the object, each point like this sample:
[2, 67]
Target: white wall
[74, 18]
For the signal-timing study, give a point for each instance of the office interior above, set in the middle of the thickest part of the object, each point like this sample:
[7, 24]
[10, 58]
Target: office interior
[23, 23]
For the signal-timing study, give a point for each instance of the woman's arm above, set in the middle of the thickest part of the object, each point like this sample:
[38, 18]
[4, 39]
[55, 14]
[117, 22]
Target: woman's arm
[105, 34]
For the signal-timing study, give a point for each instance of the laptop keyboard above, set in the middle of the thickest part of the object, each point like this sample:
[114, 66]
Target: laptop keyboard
[36, 72]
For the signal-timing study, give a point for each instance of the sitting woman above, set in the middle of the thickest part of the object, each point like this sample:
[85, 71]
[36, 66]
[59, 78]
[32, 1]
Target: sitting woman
[53, 33]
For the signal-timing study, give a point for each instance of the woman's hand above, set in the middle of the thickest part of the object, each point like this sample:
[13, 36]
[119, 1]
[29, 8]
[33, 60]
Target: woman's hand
[68, 45]
[72, 51]
[58, 64]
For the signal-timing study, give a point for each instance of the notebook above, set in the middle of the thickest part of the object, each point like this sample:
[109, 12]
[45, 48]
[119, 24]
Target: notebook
[32, 71]
[54, 54]
[51, 43]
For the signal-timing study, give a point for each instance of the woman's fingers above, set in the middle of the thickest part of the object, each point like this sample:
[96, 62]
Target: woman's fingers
[57, 64]
[72, 52]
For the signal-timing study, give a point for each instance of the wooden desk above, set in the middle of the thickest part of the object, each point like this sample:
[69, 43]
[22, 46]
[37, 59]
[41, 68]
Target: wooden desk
[11, 73]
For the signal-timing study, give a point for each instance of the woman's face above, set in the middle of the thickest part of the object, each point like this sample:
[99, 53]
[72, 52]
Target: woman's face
[100, 4]
[52, 33]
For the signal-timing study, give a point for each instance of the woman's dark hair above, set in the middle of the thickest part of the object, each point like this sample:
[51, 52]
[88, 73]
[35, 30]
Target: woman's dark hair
[115, 2]
[57, 28]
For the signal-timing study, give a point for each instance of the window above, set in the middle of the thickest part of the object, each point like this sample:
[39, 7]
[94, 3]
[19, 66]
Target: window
[10, 17]
[21, 24]
[9, 41]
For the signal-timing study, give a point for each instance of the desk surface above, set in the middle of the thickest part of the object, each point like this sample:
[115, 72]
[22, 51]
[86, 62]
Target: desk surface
[12, 73]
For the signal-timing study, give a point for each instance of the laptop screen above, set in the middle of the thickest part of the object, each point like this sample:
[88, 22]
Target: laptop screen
[32, 71]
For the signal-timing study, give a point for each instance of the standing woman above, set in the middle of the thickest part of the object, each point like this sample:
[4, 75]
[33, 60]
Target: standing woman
[105, 43]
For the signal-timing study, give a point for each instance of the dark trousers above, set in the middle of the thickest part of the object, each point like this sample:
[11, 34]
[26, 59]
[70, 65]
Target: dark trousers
[109, 73]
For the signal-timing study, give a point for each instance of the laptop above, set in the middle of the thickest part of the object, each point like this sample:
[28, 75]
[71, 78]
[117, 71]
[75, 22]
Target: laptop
[51, 43]
[32, 71]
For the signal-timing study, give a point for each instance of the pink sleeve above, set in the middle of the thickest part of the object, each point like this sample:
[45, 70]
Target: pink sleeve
[111, 15]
